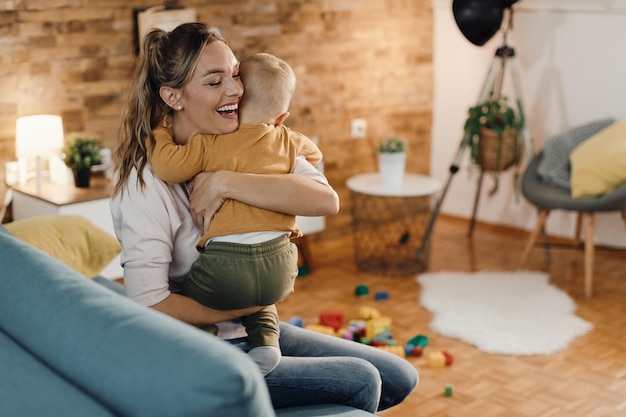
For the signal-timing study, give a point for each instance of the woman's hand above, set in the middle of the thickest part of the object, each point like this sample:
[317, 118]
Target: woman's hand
[206, 197]
[190, 311]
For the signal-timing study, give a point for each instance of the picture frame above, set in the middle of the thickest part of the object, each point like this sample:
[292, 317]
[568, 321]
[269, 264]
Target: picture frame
[162, 17]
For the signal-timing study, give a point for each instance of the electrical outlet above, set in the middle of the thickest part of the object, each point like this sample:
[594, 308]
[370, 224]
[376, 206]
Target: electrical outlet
[358, 128]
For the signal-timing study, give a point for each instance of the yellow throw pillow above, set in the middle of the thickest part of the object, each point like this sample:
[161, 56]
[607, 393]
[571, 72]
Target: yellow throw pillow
[599, 163]
[72, 239]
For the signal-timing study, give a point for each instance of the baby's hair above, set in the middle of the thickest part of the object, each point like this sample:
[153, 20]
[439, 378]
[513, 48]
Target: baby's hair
[269, 83]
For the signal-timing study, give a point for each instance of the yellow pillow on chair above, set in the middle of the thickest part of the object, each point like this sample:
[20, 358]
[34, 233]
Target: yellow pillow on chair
[599, 163]
[72, 239]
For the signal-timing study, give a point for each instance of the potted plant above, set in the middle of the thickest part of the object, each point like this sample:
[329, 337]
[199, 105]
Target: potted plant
[80, 153]
[493, 130]
[391, 162]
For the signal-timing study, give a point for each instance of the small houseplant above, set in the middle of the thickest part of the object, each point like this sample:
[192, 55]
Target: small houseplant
[391, 162]
[493, 131]
[80, 153]
[391, 145]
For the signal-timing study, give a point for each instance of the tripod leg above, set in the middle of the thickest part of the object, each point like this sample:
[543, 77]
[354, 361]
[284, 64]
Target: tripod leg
[494, 74]
[486, 90]
[470, 231]
[492, 88]
[454, 168]
[505, 54]
[528, 145]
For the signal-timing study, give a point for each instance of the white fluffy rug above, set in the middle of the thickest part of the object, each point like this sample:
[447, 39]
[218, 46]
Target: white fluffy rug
[510, 313]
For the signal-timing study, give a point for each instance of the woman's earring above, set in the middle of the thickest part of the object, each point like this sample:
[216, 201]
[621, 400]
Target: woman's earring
[179, 107]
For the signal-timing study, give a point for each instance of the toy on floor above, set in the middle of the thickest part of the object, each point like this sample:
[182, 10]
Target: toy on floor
[332, 319]
[320, 328]
[372, 328]
[381, 295]
[415, 346]
[296, 321]
[361, 290]
[447, 391]
[437, 360]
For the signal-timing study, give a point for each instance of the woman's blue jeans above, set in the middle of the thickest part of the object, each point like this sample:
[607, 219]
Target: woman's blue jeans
[318, 369]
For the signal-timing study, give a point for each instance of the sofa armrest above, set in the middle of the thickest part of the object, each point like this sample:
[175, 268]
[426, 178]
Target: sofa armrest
[132, 359]
[29, 388]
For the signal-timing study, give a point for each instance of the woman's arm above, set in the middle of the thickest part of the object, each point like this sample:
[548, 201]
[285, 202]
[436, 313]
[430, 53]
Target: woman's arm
[158, 240]
[286, 193]
[191, 312]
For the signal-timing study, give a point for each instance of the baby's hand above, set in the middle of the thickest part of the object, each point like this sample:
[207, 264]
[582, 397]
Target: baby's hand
[165, 126]
[166, 121]
[204, 199]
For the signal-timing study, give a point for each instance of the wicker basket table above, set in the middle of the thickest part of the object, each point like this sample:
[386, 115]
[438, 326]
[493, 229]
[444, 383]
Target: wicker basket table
[389, 225]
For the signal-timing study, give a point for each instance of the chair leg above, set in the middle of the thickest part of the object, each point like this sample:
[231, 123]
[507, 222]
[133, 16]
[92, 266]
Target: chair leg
[533, 238]
[579, 224]
[546, 245]
[589, 248]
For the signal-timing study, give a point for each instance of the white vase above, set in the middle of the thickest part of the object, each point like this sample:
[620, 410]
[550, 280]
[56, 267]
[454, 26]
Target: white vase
[391, 167]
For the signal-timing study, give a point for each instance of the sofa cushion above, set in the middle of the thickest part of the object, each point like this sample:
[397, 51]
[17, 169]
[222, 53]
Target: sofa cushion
[73, 239]
[599, 163]
[30, 389]
[132, 359]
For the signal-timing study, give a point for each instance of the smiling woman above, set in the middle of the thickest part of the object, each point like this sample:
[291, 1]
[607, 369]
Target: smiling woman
[191, 75]
[211, 96]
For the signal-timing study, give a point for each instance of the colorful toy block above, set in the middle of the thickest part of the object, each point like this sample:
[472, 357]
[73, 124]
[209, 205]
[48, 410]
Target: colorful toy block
[361, 290]
[396, 350]
[381, 295]
[332, 319]
[319, 328]
[438, 360]
[368, 313]
[377, 325]
[418, 340]
[296, 321]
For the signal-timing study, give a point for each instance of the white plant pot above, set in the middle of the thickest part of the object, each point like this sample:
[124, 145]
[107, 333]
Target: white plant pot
[391, 167]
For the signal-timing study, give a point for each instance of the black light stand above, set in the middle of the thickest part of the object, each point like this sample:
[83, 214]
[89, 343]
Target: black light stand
[492, 87]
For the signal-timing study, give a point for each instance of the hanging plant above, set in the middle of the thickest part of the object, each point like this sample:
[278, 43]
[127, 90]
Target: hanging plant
[493, 130]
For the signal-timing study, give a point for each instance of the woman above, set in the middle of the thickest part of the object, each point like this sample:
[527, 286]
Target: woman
[190, 75]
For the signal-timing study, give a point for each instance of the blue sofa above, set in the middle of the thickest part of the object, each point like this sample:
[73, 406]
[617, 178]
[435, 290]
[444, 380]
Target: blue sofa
[70, 346]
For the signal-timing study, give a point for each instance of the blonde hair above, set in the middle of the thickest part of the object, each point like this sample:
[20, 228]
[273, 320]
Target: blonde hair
[166, 59]
[269, 84]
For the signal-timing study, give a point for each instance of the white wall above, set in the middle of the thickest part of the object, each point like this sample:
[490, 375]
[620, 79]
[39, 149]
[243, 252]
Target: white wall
[573, 70]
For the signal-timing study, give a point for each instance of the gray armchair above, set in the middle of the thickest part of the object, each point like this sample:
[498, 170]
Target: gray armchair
[547, 197]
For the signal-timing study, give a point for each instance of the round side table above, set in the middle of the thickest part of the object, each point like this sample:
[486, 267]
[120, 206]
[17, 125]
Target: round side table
[389, 224]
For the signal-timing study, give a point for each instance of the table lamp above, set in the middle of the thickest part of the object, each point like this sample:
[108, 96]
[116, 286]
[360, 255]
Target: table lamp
[37, 136]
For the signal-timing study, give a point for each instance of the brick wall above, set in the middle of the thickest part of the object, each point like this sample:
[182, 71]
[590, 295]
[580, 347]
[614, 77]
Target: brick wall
[368, 59]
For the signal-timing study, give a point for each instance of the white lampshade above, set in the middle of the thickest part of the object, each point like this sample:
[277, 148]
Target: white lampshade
[38, 135]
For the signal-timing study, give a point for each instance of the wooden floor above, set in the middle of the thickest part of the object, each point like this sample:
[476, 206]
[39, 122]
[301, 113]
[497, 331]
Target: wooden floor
[588, 379]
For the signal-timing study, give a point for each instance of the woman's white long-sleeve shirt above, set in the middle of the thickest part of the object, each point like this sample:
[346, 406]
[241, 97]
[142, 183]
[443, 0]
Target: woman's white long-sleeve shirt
[158, 237]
